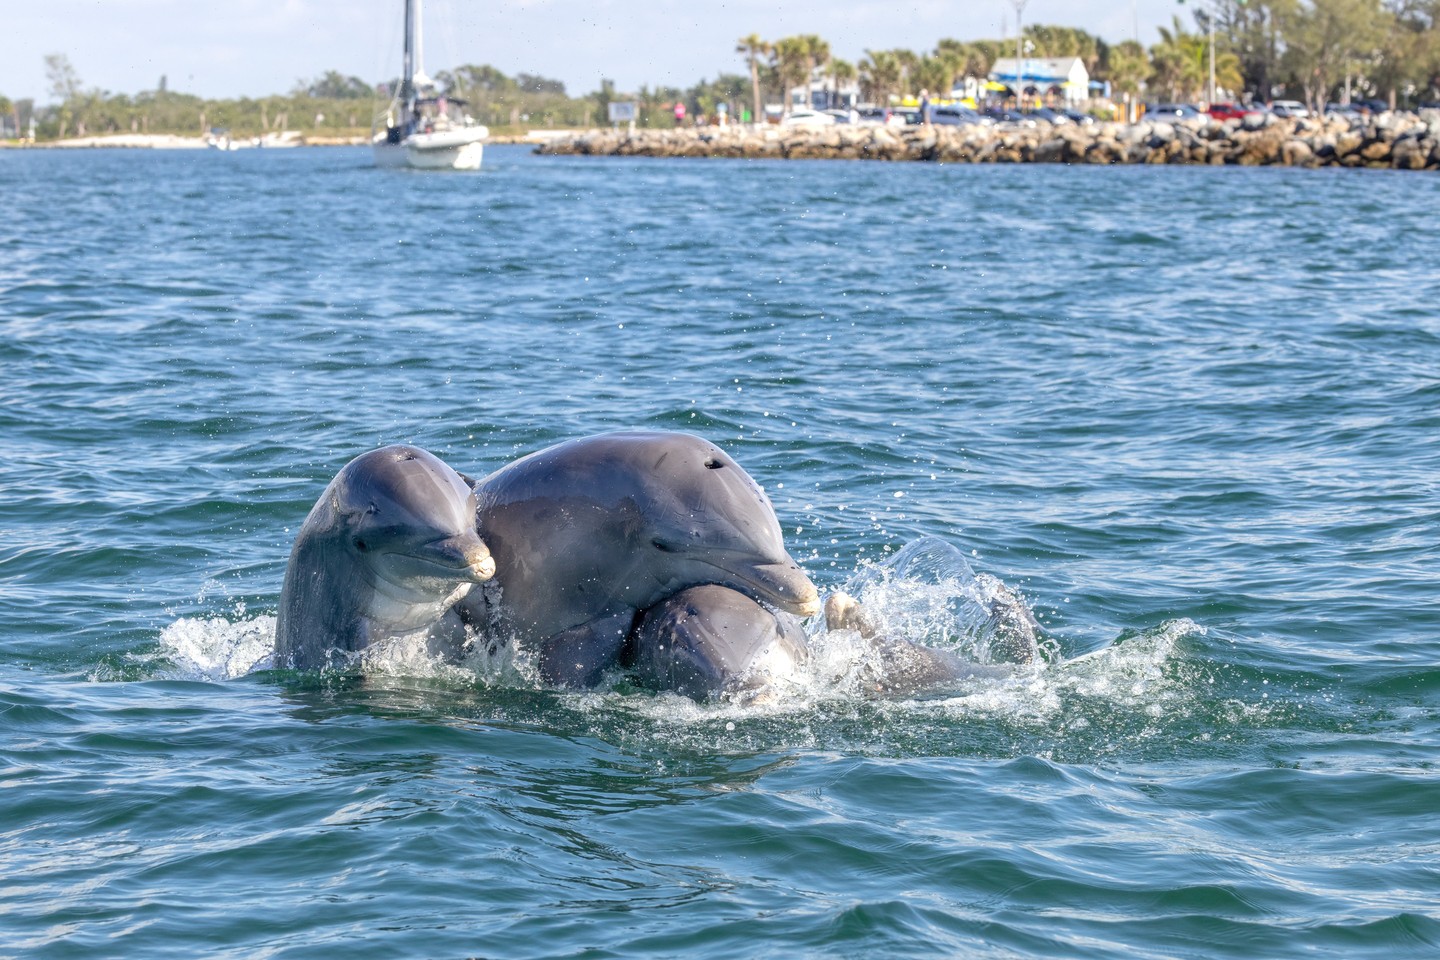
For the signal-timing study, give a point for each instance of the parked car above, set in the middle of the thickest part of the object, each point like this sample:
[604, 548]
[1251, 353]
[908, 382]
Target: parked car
[888, 116]
[1171, 112]
[1080, 117]
[1289, 108]
[1053, 117]
[953, 115]
[1229, 111]
[808, 118]
[1370, 105]
[1014, 118]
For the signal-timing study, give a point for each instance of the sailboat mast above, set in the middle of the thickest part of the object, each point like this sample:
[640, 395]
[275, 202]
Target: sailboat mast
[407, 75]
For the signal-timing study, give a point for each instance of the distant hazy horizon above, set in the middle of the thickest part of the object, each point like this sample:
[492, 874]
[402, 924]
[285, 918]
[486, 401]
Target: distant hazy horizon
[253, 48]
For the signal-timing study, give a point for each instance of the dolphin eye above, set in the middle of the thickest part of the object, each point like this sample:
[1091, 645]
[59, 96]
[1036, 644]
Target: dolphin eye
[713, 464]
[361, 545]
[662, 546]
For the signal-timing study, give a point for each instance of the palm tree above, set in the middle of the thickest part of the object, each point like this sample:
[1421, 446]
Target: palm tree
[817, 54]
[753, 48]
[841, 71]
[937, 73]
[879, 76]
[908, 62]
[982, 56]
[1178, 62]
[970, 59]
[1126, 67]
[792, 59]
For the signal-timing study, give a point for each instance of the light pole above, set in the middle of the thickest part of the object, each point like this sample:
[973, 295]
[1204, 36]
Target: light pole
[1210, 22]
[1019, 90]
[1210, 100]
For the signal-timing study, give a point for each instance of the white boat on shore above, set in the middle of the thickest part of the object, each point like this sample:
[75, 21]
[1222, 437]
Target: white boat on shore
[276, 141]
[423, 128]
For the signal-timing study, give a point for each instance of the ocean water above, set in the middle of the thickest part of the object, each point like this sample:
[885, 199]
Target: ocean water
[1191, 415]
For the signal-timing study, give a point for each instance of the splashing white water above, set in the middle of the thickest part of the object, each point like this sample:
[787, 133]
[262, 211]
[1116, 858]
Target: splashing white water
[213, 648]
[926, 594]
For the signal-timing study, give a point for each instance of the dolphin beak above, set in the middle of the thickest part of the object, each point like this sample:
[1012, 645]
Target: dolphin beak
[466, 553]
[784, 584]
[483, 568]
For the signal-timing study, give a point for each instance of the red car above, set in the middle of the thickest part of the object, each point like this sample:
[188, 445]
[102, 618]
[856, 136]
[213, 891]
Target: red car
[1229, 111]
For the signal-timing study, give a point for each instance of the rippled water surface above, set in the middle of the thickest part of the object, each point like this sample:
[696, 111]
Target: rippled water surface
[1190, 414]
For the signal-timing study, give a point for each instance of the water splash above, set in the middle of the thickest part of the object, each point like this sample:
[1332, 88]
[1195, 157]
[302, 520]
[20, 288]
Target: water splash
[927, 593]
[215, 648]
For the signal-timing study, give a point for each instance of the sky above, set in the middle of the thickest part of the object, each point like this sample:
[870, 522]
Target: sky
[257, 47]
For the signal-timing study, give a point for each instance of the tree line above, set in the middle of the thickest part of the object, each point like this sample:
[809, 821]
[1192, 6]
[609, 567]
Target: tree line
[331, 104]
[1311, 50]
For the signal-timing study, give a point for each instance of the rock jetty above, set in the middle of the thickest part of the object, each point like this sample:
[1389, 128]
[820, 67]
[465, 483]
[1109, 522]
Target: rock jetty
[1399, 141]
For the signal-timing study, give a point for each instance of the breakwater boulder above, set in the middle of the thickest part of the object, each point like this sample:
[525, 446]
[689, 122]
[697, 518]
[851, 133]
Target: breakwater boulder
[1400, 141]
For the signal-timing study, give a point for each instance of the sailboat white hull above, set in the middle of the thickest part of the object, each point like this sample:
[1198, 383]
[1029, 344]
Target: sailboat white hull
[458, 149]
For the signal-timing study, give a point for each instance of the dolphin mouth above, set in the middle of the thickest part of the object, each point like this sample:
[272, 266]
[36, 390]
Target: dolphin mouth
[463, 558]
[782, 584]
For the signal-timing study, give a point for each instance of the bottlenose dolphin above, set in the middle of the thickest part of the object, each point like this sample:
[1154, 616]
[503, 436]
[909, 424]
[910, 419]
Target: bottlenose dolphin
[386, 552]
[589, 533]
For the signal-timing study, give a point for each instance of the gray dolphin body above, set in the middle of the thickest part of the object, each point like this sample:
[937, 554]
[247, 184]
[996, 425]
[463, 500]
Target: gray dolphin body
[710, 641]
[386, 552]
[589, 533]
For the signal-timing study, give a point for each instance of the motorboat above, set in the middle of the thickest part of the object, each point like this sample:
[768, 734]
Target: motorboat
[424, 128]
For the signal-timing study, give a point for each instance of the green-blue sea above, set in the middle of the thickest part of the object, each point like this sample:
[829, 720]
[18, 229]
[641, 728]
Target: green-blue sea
[1192, 415]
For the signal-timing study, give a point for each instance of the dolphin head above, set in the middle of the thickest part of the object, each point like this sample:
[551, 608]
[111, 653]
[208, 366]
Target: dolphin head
[702, 519]
[408, 522]
[388, 549]
[707, 640]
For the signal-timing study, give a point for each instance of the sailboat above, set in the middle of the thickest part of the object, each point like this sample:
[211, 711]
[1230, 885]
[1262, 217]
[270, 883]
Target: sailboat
[422, 127]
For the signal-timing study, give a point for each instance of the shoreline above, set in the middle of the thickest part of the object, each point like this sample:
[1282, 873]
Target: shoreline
[171, 141]
[174, 141]
[1386, 141]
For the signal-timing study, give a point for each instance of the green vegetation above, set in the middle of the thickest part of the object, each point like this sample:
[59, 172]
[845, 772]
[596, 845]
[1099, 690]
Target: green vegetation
[331, 105]
[1312, 50]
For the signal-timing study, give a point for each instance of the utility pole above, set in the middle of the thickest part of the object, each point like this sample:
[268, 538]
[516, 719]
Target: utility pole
[1210, 22]
[1019, 72]
[1210, 102]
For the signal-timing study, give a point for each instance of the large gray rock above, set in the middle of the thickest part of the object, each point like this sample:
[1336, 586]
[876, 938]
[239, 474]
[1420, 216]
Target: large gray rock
[1049, 151]
[1296, 153]
[1135, 133]
[1348, 143]
[1407, 154]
